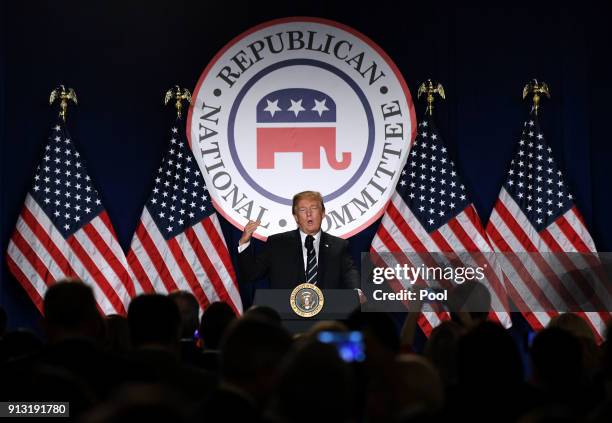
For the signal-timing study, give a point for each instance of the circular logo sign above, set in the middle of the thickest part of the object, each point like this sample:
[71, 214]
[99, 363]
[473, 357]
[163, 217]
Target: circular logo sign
[301, 104]
[306, 300]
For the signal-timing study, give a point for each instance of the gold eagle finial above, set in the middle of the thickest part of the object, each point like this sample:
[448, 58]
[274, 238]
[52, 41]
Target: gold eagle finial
[64, 95]
[428, 88]
[180, 94]
[536, 88]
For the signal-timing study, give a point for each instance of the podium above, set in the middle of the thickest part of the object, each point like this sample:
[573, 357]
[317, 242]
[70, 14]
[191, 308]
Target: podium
[338, 304]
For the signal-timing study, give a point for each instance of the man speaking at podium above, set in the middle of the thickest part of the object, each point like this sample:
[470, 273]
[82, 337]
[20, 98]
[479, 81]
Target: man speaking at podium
[305, 254]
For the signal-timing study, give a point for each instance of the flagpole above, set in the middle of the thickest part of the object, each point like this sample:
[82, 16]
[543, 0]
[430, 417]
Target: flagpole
[64, 95]
[536, 88]
[180, 95]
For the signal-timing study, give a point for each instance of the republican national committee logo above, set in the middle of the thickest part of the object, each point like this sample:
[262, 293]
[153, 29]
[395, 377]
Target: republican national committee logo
[301, 104]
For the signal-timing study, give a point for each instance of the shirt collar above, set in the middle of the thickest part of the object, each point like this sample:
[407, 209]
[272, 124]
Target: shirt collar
[316, 236]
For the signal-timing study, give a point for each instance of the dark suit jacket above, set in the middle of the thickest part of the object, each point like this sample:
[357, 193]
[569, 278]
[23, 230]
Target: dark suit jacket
[282, 261]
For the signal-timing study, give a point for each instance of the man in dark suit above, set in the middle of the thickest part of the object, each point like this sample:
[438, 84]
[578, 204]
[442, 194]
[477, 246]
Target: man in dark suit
[306, 254]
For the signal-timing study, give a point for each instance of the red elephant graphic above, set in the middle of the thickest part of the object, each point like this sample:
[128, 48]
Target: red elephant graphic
[289, 121]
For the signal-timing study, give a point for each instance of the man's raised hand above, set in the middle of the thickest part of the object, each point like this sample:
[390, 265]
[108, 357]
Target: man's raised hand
[247, 233]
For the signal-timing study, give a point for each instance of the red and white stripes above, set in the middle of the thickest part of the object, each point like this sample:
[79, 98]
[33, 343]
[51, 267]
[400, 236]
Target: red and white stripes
[197, 260]
[542, 283]
[400, 231]
[38, 255]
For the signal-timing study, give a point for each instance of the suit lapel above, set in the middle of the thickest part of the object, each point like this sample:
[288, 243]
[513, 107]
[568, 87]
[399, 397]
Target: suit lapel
[322, 259]
[300, 255]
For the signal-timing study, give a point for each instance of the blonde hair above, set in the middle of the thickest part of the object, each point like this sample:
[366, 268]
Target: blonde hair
[314, 195]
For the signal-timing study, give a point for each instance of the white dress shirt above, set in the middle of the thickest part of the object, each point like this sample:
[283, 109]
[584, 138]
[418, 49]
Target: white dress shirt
[316, 242]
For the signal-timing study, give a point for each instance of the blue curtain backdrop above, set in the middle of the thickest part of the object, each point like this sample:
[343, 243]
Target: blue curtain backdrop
[121, 56]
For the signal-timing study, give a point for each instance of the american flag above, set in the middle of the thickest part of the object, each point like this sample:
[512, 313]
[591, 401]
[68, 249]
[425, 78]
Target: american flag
[178, 244]
[430, 212]
[63, 231]
[535, 213]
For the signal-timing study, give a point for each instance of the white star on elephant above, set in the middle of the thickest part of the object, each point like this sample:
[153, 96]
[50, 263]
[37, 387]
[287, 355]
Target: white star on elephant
[296, 107]
[272, 107]
[320, 106]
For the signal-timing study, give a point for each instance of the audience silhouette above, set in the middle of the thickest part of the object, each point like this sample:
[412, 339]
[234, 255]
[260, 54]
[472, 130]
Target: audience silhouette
[162, 362]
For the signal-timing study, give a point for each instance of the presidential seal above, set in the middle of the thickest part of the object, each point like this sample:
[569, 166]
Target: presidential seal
[306, 300]
[298, 104]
